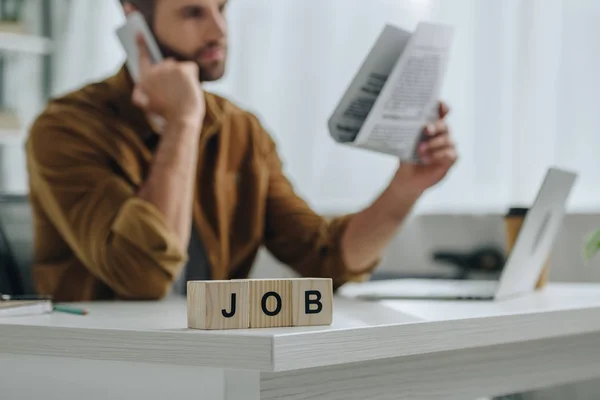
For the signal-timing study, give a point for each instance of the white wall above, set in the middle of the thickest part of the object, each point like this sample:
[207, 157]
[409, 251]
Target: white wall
[23, 86]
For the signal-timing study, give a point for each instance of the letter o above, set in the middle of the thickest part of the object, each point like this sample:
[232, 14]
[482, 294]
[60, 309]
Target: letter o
[264, 304]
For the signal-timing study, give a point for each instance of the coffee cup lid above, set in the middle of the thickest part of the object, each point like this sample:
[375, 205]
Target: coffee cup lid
[517, 212]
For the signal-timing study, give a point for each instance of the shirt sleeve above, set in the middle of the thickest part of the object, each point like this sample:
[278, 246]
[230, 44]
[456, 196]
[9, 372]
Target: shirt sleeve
[122, 239]
[299, 237]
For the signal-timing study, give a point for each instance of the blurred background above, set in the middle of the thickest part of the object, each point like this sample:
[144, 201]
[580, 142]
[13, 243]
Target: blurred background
[522, 84]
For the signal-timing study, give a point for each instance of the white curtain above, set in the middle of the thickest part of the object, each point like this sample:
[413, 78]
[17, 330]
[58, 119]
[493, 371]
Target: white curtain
[87, 48]
[522, 83]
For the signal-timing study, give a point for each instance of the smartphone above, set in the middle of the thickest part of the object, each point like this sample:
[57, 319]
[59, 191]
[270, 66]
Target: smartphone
[127, 33]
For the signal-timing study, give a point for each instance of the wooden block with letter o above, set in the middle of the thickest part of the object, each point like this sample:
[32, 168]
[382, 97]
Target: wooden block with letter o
[270, 303]
[259, 303]
[218, 304]
[313, 302]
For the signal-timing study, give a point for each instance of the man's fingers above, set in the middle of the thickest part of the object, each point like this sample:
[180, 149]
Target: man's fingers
[139, 98]
[438, 128]
[145, 60]
[438, 148]
[443, 109]
[436, 143]
[446, 155]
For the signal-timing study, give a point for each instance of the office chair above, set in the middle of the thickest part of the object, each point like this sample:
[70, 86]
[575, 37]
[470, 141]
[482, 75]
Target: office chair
[15, 245]
[10, 282]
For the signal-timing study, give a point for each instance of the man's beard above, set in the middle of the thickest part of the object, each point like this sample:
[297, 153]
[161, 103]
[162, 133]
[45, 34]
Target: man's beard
[205, 73]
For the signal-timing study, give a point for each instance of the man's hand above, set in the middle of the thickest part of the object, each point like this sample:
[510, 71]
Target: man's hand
[438, 154]
[169, 89]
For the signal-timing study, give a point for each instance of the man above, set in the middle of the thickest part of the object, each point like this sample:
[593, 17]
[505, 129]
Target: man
[125, 210]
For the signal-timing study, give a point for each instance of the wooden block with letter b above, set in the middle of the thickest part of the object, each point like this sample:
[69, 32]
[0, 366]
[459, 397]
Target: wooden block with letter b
[218, 304]
[313, 302]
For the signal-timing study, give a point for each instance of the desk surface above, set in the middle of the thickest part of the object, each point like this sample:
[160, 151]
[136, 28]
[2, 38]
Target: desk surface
[361, 331]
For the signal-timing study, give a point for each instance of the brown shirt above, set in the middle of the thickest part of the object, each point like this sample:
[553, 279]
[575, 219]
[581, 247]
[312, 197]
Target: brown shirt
[95, 239]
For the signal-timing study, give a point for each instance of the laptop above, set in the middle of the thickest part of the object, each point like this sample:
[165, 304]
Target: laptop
[521, 270]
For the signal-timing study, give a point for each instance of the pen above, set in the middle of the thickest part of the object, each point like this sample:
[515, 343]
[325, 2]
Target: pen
[56, 307]
[70, 310]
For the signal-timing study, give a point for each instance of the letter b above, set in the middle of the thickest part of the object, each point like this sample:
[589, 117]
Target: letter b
[312, 302]
[311, 298]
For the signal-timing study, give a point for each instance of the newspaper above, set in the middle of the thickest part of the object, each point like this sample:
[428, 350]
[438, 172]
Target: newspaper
[396, 91]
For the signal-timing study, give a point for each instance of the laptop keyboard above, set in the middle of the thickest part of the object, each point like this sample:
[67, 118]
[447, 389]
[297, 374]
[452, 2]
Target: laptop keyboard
[426, 288]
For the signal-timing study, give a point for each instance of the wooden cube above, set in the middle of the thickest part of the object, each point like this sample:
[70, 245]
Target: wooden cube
[214, 305]
[313, 302]
[270, 303]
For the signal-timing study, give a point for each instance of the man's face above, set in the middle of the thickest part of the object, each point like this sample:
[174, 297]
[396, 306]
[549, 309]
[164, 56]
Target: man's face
[193, 30]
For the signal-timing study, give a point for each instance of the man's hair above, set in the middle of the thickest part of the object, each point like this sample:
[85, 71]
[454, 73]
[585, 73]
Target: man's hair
[146, 7]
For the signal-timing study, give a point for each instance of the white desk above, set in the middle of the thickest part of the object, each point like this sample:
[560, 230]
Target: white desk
[387, 350]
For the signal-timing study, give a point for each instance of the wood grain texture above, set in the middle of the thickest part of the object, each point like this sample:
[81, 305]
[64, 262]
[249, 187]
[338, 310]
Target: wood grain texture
[455, 375]
[270, 303]
[172, 347]
[331, 347]
[318, 293]
[157, 333]
[218, 305]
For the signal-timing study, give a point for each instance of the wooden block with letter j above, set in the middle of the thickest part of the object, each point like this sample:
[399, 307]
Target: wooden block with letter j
[259, 303]
[218, 304]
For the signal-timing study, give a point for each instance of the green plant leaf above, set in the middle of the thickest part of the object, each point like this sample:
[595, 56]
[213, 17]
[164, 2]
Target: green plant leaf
[592, 245]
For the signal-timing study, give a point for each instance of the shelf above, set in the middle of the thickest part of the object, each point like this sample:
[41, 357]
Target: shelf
[13, 27]
[24, 43]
